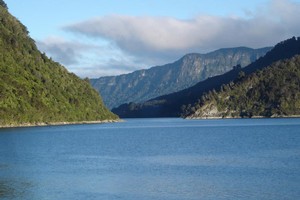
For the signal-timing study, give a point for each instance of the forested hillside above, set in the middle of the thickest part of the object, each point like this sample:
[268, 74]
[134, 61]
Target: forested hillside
[35, 89]
[271, 92]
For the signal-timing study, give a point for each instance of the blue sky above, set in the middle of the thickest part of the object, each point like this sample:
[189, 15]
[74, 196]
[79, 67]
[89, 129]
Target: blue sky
[94, 38]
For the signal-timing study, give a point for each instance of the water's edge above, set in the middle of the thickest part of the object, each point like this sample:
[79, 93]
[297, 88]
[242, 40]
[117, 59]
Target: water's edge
[59, 123]
[238, 117]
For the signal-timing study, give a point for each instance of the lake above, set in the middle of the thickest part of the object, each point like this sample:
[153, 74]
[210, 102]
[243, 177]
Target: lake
[153, 159]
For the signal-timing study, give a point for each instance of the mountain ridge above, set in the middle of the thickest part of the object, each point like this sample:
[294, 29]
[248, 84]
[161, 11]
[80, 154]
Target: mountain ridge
[172, 105]
[141, 85]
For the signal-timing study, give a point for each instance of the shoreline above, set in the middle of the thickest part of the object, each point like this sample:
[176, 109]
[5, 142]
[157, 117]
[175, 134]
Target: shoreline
[41, 124]
[253, 117]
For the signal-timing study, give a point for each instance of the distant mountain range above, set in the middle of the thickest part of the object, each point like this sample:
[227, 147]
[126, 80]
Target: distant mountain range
[36, 90]
[176, 104]
[143, 85]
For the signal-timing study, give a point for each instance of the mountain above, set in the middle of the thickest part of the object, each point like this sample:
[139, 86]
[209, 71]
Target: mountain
[175, 104]
[271, 92]
[34, 89]
[143, 85]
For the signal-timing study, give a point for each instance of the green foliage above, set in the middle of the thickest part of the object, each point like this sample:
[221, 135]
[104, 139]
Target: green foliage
[273, 91]
[35, 89]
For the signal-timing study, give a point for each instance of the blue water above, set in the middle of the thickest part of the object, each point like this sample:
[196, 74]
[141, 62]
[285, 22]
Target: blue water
[153, 159]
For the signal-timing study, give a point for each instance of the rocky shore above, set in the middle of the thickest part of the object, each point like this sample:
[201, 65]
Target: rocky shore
[59, 123]
[239, 117]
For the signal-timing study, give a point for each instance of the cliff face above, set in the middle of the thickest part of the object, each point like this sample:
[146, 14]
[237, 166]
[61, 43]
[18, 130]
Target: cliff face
[34, 89]
[143, 85]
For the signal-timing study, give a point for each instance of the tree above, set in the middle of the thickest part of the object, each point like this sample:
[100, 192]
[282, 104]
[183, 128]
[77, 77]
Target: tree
[241, 75]
[3, 4]
[237, 67]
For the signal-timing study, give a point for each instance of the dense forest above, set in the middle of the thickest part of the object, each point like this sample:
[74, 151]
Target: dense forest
[271, 92]
[34, 88]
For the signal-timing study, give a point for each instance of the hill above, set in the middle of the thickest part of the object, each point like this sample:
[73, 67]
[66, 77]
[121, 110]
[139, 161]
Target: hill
[143, 85]
[175, 104]
[271, 92]
[34, 89]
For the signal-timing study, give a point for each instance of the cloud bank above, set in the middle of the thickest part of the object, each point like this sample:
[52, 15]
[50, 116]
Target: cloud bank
[149, 40]
[67, 52]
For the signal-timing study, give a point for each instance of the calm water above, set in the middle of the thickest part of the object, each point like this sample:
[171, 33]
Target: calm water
[153, 159]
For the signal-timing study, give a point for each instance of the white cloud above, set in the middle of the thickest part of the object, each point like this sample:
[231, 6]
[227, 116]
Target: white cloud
[148, 40]
[64, 51]
[138, 34]
[86, 59]
[160, 34]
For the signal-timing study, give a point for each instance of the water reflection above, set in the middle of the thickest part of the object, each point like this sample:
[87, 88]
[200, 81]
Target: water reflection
[5, 190]
[8, 190]
[14, 190]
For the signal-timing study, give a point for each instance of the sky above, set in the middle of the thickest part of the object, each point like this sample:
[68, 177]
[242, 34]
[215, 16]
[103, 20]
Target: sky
[94, 38]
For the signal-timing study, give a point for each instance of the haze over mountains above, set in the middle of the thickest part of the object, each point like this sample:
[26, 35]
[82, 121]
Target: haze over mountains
[176, 104]
[143, 85]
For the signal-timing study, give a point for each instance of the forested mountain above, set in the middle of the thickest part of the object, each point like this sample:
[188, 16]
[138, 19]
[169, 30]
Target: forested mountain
[173, 105]
[143, 85]
[271, 92]
[34, 89]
